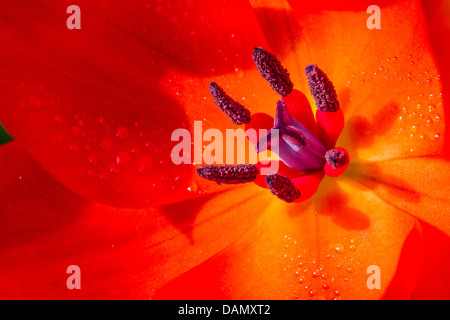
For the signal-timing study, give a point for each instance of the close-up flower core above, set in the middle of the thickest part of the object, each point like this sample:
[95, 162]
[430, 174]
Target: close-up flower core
[298, 146]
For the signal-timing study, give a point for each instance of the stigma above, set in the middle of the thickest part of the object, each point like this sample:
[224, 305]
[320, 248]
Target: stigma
[305, 144]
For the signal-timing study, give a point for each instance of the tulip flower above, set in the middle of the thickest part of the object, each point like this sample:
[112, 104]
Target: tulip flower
[88, 180]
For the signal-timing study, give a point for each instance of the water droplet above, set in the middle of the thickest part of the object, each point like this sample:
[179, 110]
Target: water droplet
[193, 188]
[76, 131]
[145, 164]
[91, 173]
[103, 176]
[57, 118]
[101, 120]
[123, 159]
[122, 133]
[434, 137]
[73, 147]
[92, 160]
[235, 40]
[106, 144]
[113, 168]
[339, 247]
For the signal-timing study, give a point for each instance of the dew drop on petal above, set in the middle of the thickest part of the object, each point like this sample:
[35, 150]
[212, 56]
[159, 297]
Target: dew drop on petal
[145, 164]
[123, 159]
[76, 131]
[106, 144]
[122, 133]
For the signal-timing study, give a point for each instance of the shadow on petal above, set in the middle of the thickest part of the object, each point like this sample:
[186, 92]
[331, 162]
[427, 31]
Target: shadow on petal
[335, 205]
[361, 132]
[183, 214]
[46, 209]
[371, 176]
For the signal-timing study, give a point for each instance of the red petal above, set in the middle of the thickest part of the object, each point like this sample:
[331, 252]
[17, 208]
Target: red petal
[275, 166]
[330, 125]
[434, 279]
[259, 121]
[307, 185]
[300, 109]
[437, 16]
[122, 84]
[122, 253]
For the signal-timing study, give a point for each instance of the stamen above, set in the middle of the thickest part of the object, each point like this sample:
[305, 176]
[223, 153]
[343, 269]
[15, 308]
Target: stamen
[234, 110]
[271, 69]
[322, 89]
[229, 174]
[336, 158]
[282, 187]
[280, 114]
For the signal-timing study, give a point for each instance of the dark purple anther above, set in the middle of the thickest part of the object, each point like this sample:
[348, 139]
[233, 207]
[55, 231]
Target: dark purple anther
[229, 174]
[282, 187]
[322, 89]
[234, 110]
[271, 69]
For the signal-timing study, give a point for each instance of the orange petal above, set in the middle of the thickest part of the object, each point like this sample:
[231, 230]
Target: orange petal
[387, 80]
[311, 250]
[418, 186]
[122, 253]
[437, 17]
